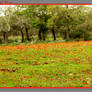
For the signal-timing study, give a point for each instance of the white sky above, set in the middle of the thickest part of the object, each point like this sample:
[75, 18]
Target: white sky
[5, 6]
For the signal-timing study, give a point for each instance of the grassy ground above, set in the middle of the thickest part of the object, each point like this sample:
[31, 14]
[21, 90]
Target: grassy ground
[46, 65]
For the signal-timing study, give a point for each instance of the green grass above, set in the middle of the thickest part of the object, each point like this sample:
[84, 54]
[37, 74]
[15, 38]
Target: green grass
[46, 65]
[17, 41]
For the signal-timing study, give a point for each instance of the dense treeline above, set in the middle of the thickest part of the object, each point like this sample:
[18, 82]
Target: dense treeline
[40, 22]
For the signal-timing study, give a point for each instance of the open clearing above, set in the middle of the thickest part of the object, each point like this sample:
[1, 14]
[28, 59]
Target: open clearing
[47, 65]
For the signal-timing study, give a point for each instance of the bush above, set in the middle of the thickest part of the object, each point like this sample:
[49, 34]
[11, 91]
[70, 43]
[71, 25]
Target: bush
[80, 34]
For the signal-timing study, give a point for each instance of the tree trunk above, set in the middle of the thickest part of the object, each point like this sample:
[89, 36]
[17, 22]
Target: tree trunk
[5, 36]
[67, 30]
[43, 34]
[27, 35]
[39, 35]
[53, 33]
[67, 25]
[22, 35]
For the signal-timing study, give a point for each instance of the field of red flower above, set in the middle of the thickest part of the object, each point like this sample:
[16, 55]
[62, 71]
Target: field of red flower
[47, 65]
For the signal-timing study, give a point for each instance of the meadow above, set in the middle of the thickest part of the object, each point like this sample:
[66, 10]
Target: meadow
[65, 64]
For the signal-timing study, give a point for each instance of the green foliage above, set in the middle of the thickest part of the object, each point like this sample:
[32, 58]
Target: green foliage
[74, 21]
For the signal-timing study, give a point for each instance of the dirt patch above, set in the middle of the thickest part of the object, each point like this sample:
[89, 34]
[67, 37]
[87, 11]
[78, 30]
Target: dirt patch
[46, 63]
[7, 70]
[9, 59]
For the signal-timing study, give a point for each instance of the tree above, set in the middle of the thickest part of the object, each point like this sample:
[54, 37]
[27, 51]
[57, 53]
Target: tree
[39, 17]
[5, 27]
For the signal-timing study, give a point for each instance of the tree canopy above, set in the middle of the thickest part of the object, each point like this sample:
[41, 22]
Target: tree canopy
[40, 22]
